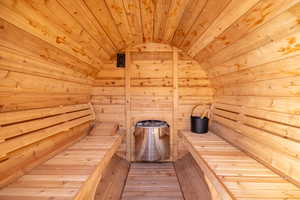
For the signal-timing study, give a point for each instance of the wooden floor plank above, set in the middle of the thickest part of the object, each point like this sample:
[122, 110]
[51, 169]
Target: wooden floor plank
[155, 181]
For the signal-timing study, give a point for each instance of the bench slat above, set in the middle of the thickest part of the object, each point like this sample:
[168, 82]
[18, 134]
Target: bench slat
[236, 176]
[73, 173]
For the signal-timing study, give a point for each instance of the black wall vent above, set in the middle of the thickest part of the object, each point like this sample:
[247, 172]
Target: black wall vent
[121, 60]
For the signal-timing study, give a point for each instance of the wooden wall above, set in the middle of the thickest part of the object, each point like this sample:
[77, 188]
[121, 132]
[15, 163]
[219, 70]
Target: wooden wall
[108, 94]
[35, 74]
[254, 66]
[250, 51]
[37, 78]
[149, 86]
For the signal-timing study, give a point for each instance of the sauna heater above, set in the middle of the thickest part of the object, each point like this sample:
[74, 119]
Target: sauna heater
[152, 141]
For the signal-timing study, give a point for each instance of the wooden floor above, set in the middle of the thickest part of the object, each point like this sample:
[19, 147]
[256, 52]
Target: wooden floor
[152, 181]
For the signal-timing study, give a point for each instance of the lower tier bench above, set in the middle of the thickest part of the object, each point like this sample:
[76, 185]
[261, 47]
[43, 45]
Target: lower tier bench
[72, 174]
[233, 173]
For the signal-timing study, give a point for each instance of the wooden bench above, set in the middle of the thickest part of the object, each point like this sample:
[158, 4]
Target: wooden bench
[72, 174]
[22, 128]
[233, 173]
[29, 137]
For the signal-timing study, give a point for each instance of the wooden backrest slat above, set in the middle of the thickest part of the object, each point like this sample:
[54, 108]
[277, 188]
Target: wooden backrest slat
[29, 126]
[21, 128]
[19, 116]
[24, 140]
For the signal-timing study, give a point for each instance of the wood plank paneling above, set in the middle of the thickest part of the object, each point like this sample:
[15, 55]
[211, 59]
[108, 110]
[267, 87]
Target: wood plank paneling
[161, 13]
[44, 87]
[248, 54]
[147, 18]
[127, 113]
[50, 28]
[192, 10]
[206, 17]
[133, 12]
[253, 66]
[23, 128]
[119, 15]
[160, 79]
[257, 16]
[176, 10]
[108, 25]
[94, 31]
[80, 12]
[108, 97]
[41, 58]
[174, 128]
[229, 15]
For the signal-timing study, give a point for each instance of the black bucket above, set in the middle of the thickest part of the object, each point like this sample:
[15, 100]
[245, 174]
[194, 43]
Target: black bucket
[199, 125]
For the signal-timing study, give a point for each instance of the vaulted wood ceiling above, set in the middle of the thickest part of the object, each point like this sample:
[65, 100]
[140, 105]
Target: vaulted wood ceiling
[94, 30]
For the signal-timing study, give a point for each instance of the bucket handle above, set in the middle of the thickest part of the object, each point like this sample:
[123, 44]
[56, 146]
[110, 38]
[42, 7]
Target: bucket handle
[205, 112]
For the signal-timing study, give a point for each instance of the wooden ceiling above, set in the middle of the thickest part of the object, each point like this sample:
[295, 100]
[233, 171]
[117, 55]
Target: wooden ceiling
[94, 30]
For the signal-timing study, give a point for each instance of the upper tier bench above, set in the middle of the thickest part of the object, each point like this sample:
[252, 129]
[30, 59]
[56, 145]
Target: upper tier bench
[233, 173]
[72, 174]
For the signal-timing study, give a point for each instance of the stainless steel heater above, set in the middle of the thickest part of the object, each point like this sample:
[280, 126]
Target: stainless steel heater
[152, 141]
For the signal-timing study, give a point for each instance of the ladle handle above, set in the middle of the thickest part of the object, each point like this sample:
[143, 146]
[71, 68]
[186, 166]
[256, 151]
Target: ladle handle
[205, 112]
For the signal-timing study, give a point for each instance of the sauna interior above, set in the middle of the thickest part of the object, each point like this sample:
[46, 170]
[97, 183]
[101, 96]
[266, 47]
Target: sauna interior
[77, 77]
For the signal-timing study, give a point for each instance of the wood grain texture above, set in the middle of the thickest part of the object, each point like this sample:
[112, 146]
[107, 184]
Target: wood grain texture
[45, 87]
[159, 80]
[65, 36]
[113, 180]
[191, 179]
[229, 15]
[233, 173]
[17, 163]
[257, 93]
[69, 174]
[89, 187]
[244, 58]
[127, 113]
[174, 128]
[152, 181]
[30, 136]
[94, 31]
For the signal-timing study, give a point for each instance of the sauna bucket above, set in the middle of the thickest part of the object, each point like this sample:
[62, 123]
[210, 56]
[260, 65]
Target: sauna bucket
[199, 124]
